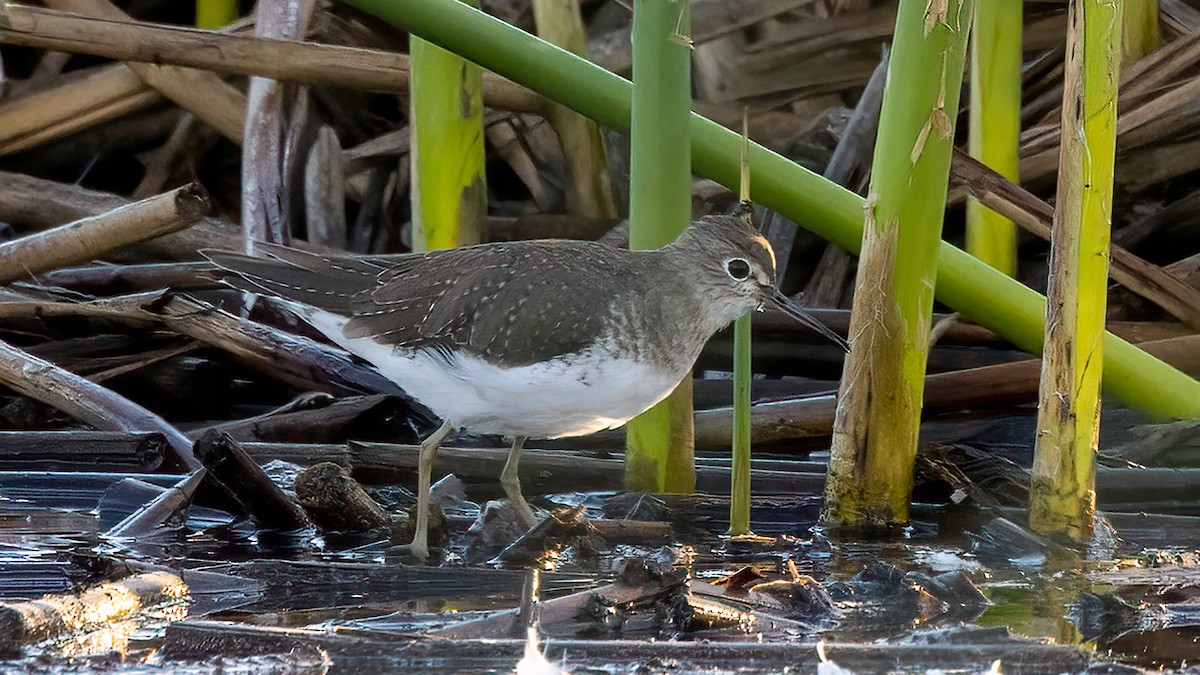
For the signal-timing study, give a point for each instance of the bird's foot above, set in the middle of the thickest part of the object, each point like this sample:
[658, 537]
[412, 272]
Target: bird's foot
[418, 550]
[524, 513]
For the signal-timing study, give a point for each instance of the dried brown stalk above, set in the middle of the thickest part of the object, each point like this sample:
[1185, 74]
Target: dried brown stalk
[40, 204]
[1034, 215]
[203, 94]
[98, 96]
[283, 60]
[86, 239]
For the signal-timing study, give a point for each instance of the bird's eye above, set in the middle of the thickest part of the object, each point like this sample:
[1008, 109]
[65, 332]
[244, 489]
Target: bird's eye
[738, 269]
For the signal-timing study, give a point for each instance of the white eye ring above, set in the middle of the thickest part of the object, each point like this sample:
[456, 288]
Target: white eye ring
[738, 269]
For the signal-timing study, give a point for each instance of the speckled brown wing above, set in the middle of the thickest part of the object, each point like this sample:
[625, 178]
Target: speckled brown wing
[512, 304]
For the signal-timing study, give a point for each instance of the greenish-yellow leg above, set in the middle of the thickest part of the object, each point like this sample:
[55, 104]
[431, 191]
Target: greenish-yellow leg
[511, 482]
[429, 447]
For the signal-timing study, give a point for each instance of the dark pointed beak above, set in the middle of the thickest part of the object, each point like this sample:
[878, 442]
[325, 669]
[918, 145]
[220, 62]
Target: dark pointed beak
[787, 306]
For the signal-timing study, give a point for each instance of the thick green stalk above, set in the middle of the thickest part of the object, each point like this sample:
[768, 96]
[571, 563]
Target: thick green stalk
[1140, 34]
[659, 444]
[588, 192]
[995, 124]
[1062, 495]
[964, 283]
[214, 14]
[449, 188]
[739, 481]
[870, 472]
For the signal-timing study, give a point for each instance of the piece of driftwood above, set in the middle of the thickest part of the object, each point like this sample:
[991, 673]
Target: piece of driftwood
[633, 532]
[81, 451]
[40, 204]
[311, 418]
[55, 616]
[283, 60]
[336, 502]
[86, 401]
[1034, 215]
[229, 465]
[161, 512]
[203, 94]
[90, 238]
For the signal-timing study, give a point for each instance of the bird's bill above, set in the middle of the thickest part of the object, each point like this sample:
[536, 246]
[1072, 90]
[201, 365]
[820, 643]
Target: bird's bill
[789, 307]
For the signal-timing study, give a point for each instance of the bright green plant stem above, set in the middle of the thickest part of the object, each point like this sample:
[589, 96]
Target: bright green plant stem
[879, 404]
[588, 192]
[1140, 34]
[995, 125]
[964, 283]
[1062, 488]
[659, 444]
[739, 486]
[739, 481]
[213, 14]
[449, 188]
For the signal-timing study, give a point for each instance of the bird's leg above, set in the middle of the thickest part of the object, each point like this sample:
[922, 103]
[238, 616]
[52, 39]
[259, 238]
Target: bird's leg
[429, 447]
[511, 482]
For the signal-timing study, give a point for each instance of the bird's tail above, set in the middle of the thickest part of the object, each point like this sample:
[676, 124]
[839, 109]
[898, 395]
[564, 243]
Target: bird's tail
[326, 282]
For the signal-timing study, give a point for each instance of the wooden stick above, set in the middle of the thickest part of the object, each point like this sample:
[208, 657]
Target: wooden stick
[87, 239]
[81, 451]
[54, 615]
[98, 96]
[218, 104]
[161, 511]
[86, 401]
[41, 204]
[297, 360]
[283, 60]
[266, 502]
[115, 279]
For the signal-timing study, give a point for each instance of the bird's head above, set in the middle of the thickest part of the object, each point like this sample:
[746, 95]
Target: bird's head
[736, 271]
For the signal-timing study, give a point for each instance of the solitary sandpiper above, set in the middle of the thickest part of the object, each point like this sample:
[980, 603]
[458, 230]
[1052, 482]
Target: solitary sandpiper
[542, 339]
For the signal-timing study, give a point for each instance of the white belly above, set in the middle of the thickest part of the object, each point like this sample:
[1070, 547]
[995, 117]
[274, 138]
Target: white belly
[567, 397]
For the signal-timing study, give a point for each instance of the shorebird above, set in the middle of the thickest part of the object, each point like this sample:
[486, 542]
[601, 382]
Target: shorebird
[531, 339]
